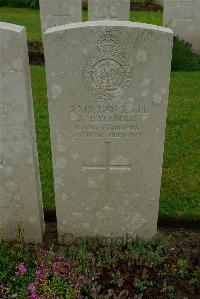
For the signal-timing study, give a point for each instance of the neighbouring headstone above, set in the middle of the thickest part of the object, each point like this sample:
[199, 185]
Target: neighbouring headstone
[59, 12]
[108, 94]
[183, 17]
[108, 10]
[21, 212]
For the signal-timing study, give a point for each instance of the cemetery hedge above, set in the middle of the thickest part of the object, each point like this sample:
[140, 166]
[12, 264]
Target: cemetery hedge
[20, 3]
[35, 3]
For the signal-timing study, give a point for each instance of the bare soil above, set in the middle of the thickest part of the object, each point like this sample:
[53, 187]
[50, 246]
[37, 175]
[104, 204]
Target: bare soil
[146, 6]
[36, 53]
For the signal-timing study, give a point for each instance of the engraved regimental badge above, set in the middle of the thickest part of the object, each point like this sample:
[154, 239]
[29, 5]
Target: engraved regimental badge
[107, 74]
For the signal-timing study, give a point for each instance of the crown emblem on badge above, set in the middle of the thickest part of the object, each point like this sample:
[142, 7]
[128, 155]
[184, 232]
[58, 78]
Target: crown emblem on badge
[108, 42]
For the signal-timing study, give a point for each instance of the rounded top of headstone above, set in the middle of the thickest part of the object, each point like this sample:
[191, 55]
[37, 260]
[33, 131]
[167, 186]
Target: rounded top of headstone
[108, 23]
[11, 27]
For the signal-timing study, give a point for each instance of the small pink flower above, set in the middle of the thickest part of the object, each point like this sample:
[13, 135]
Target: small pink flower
[21, 269]
[81, 278]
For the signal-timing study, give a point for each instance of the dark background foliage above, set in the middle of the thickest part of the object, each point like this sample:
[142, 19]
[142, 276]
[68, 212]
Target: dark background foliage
[20, 3]
[35, 3]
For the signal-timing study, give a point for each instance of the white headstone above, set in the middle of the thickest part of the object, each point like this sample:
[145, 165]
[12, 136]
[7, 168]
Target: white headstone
[21, 211]
[183, 17]
[108, 10]
[108, 94]
[59, 12]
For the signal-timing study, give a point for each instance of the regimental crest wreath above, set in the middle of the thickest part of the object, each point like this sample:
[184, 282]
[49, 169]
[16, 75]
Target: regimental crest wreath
[107, 74]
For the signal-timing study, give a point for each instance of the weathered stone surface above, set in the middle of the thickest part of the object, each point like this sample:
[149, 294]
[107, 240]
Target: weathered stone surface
[59, 12]
[21, 213]
[183, 17]
[108, 10]
[108, 93]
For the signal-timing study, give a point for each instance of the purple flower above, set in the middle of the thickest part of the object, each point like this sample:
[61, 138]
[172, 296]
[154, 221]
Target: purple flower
[81, 278]
[60, 258]
[42, 272]
[32, 287]
[3, 291]
[44, 251]
[32, 290]
[21, 269]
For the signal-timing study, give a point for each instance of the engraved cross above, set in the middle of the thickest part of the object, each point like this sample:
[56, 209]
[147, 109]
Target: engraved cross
[107, 167]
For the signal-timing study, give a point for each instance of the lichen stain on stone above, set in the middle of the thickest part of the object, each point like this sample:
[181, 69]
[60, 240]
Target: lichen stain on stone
[56, 91]
[157, 99]
[61, 163]
[141, 56]
[75, 156]
[17, 64]
[91, 183]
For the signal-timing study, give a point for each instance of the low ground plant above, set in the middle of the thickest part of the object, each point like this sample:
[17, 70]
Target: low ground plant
[156, 269]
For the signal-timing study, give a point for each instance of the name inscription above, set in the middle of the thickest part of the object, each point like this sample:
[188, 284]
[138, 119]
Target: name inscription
[106, 121]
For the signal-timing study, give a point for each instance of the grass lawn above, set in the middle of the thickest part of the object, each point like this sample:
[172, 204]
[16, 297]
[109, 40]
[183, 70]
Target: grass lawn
[149, 17]
[181, 172]
[25, 17]
[31, 20]
[183, 59]
[180, 192]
